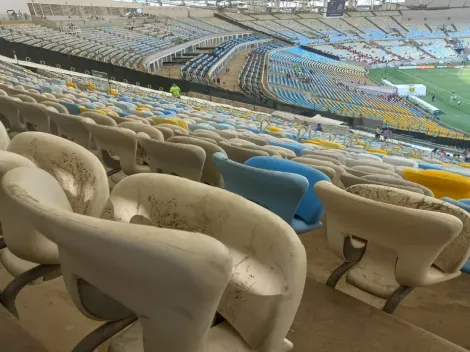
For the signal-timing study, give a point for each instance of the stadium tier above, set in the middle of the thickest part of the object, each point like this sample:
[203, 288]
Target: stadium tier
[292, 75]
[197, 68]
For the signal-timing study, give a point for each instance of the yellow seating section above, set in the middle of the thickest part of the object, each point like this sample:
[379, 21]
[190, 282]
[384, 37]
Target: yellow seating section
[172, 121]
[379, 151]
[442, 183]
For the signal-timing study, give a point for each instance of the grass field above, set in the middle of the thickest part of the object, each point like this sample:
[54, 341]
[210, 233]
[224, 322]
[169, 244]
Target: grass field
[440, 82]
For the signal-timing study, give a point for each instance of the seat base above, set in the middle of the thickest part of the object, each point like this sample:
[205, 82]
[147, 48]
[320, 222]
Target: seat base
[221, 338]
[331, 321]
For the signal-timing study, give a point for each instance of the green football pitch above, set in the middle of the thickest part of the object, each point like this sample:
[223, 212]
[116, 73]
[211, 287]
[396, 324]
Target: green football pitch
[440, 82]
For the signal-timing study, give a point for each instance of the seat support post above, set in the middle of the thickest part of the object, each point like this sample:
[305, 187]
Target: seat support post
[9, 294]
[103, 333]
[395, 299]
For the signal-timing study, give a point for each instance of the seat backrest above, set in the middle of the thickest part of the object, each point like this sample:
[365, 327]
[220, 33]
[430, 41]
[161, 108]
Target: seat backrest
[4, 138]
[35, 116]
[279, 192]
[119, 141]
[253, 139]
[208, 134]
[310, 208]
[239, 154]
[100, 119]
[337, 156]
[461, 203]
[210, 173]
[79, 173]
[77, 170]
[98, 252]
[173, 158]
[72, 127]
[314, 163]
[391, 226]
[269, 263]
[454, 255]
[25, 98]
[137, 127]
[322, 158]
[59, 107]
[349, 180]
[376, 171]
[399, 161]
[10, 110]
[391, 180]
[364, 162]
[167, 132]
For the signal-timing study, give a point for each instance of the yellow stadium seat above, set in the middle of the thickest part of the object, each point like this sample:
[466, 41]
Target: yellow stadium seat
[173, 121]
[465, 165]
[274, 129]
[442, 183]
[379, 151]
[71, 85]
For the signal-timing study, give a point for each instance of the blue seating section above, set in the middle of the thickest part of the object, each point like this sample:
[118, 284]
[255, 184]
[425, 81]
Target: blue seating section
[196, 69]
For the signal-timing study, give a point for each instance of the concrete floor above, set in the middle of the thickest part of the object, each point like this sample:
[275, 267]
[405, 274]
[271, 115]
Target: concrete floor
[48, 313]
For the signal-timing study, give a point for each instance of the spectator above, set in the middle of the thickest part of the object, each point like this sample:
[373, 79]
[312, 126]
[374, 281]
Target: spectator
[378, 131]
[319, 128]
[175, 91]
[218, 80]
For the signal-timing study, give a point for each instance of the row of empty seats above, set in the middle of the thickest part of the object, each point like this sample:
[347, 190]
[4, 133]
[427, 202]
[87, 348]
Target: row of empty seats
[236, 251]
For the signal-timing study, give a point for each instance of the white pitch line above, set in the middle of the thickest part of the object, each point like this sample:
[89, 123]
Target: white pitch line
[432, 85]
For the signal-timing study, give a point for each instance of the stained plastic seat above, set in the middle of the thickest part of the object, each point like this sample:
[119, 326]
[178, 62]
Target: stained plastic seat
[35, 116]
[122, 144]
[183, 160]
[4, 138]
[72, 127]
[95, 257]
[310, 210]
[240, 154]
[320, 163]
[99, 119]
[210, 174]
[9, 109]
[268, 272]
[400, 161]
[397, 227]
[349, 180]
[84, 182]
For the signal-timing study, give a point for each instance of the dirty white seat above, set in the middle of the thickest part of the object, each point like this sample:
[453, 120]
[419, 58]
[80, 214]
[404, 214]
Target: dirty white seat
[83, 180]
[394, 240]
[122, 142]
[9, 109]
[399, 161]
[71, 127]
[240, 154]
[268, 259]
[210, 173]
[364, 162]
[338, 170]
[95, 255]
[184, 160]
[4, 138]
[99, 119]
[35, 116]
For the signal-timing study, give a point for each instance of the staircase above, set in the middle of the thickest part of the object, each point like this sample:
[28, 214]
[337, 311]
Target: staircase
[399, 25]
